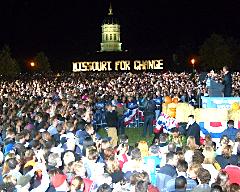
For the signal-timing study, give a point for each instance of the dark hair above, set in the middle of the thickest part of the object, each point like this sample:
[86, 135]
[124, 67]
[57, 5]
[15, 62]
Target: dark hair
[174, 129]
[163, 138]
[204, 176]
[198, 157]
[234, 187]
[141, 186]
[172, 147]
[123, 138]
[170, 156]
[12, 163]
[216, 188]
[104, 188]
[35, 143]
[180, 182]
[192, 116]
[7, 187]
[87, 143]
[182, 166]
[222, 179]
[136, 154]
[230, 122]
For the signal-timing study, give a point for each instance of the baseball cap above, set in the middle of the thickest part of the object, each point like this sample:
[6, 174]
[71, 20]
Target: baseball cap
[58, 180]
[24, 180]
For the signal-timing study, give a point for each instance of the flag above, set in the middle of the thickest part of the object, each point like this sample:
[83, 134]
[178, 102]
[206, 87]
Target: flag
[166, 122]
[131, 115]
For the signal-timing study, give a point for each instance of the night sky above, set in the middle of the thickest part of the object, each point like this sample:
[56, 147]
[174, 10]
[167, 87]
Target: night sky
[66, 29]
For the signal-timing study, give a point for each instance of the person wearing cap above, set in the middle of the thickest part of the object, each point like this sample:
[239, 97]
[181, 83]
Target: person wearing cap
[59, 182]
[23, 182]
[54, 161]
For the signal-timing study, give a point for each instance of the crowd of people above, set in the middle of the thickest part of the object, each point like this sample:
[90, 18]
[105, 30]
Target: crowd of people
[49, 141]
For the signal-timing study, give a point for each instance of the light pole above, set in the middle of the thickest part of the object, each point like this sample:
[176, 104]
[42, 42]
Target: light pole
[32, 64]
[193, 62]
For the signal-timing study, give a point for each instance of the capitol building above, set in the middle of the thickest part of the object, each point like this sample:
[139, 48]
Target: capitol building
[111, 33]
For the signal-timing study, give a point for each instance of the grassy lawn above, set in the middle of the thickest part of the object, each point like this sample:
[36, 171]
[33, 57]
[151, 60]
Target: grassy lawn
[134, 135]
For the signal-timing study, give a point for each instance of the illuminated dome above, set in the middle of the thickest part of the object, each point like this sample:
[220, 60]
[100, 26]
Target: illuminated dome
[110, 33]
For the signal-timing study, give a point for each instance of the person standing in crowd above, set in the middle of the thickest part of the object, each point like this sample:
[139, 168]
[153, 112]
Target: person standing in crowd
[204, 178]
[120, 108]
[182, 167]
[193, 129]
[158, 101]
[230, 132]
[180, 184]
[149, 116]
[112, 124]
[227, 82]
[167, 172]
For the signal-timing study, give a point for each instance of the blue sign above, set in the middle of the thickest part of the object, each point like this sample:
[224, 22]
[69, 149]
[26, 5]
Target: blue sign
[219, 102]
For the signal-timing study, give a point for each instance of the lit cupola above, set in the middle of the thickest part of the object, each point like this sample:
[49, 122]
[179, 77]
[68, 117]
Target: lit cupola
[111, 33]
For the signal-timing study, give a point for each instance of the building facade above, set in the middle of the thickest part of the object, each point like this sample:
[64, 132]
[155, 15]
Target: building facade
[111, 33]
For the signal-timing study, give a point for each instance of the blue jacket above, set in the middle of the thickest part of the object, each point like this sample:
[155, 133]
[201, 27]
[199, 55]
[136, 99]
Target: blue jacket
[165, 174]
[230, 133]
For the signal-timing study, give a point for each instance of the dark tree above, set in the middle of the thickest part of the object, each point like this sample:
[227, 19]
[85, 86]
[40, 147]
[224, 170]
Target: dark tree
[42, 63]
[215, 52]
[8, 65]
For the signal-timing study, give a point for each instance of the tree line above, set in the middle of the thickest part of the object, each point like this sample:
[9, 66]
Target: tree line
[215, 52]
[9, 67]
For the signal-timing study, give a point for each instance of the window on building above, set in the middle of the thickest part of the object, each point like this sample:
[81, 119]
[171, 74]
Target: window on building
[110, 37]
[106, 37]
[115, 37]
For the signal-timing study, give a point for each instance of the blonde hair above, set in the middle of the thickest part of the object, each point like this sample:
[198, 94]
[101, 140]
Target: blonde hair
[195, 168]
[209, 155]
[143, 146]
[191, 143]
[112, 165]
[78, 165]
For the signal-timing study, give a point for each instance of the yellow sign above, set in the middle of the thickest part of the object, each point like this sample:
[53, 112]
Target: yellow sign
[121, 65]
